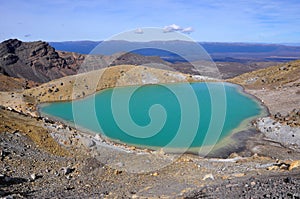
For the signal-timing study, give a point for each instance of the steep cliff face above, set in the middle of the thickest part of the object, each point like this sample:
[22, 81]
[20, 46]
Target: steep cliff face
[36, 61]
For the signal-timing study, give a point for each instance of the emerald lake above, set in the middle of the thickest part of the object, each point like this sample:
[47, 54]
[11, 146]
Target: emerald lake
[175, 116]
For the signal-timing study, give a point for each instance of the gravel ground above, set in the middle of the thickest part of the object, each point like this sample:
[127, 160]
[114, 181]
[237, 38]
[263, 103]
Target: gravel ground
[28, 169]
[282, 186]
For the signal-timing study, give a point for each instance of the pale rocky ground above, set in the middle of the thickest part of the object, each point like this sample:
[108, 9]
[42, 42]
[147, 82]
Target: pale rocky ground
[281, 100]
[278, 87]
[41, 158]
[286, 135]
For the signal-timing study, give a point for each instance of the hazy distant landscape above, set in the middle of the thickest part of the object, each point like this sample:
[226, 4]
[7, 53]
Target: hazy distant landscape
[224, 52]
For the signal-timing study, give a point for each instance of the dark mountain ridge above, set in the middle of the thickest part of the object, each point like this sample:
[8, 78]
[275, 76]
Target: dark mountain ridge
[36, 61]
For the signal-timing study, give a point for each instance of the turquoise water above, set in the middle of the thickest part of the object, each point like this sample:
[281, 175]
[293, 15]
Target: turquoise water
[178, 115]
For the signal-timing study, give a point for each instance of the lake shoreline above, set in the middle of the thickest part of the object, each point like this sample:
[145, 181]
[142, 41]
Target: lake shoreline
[244, 125]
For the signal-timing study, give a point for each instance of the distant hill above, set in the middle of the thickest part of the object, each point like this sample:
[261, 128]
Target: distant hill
[224, 52]
[82, 47]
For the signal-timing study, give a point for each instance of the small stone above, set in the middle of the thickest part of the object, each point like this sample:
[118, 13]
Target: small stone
[134, 196]
[161, 152]
[2, 155]
[287, 180]
[277, 115]
[33, 176]
[119, 164]
[294, 164]
[253, 184]
[15, 131]
[283, 68]
[233, 155]
[284, 166]
[87, 142]
[117, 172]
[274, 167]
[132, 147]
[208, 177]
[186, 159]
[155, 174]
[7, 179]
[2, 176]
[56, 173]
[67, 170]
[255, 156]
[97, 137]
[238, 175]
[225, 177]
[69, 177]
[69, 188]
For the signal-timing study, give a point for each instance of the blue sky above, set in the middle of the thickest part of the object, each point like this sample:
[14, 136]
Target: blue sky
[267, 21]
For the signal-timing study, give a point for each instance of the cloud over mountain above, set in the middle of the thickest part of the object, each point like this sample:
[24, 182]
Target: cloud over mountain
[187, 30]
[174, 28]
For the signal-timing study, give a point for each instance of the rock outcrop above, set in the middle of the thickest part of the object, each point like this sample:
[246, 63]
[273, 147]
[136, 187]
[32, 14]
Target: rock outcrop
[292, 118]
[36, 61]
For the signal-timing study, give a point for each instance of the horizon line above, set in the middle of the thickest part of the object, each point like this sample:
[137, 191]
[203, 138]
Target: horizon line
[228, 42]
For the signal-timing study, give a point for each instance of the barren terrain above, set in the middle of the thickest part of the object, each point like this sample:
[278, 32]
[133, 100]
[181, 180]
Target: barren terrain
[43, 158]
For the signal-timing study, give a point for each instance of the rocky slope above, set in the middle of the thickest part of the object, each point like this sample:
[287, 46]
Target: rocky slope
[278, 86]
[15, 84]
[274, 77]
[36, 61]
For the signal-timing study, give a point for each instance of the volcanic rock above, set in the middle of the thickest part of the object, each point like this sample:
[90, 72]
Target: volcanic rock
[36, 61]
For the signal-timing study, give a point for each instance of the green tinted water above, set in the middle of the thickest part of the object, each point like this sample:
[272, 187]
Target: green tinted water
[179, 115]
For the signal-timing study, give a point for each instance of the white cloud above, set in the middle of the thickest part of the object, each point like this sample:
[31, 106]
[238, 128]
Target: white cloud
[187, 30]
[139, 31]
[172, 28]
